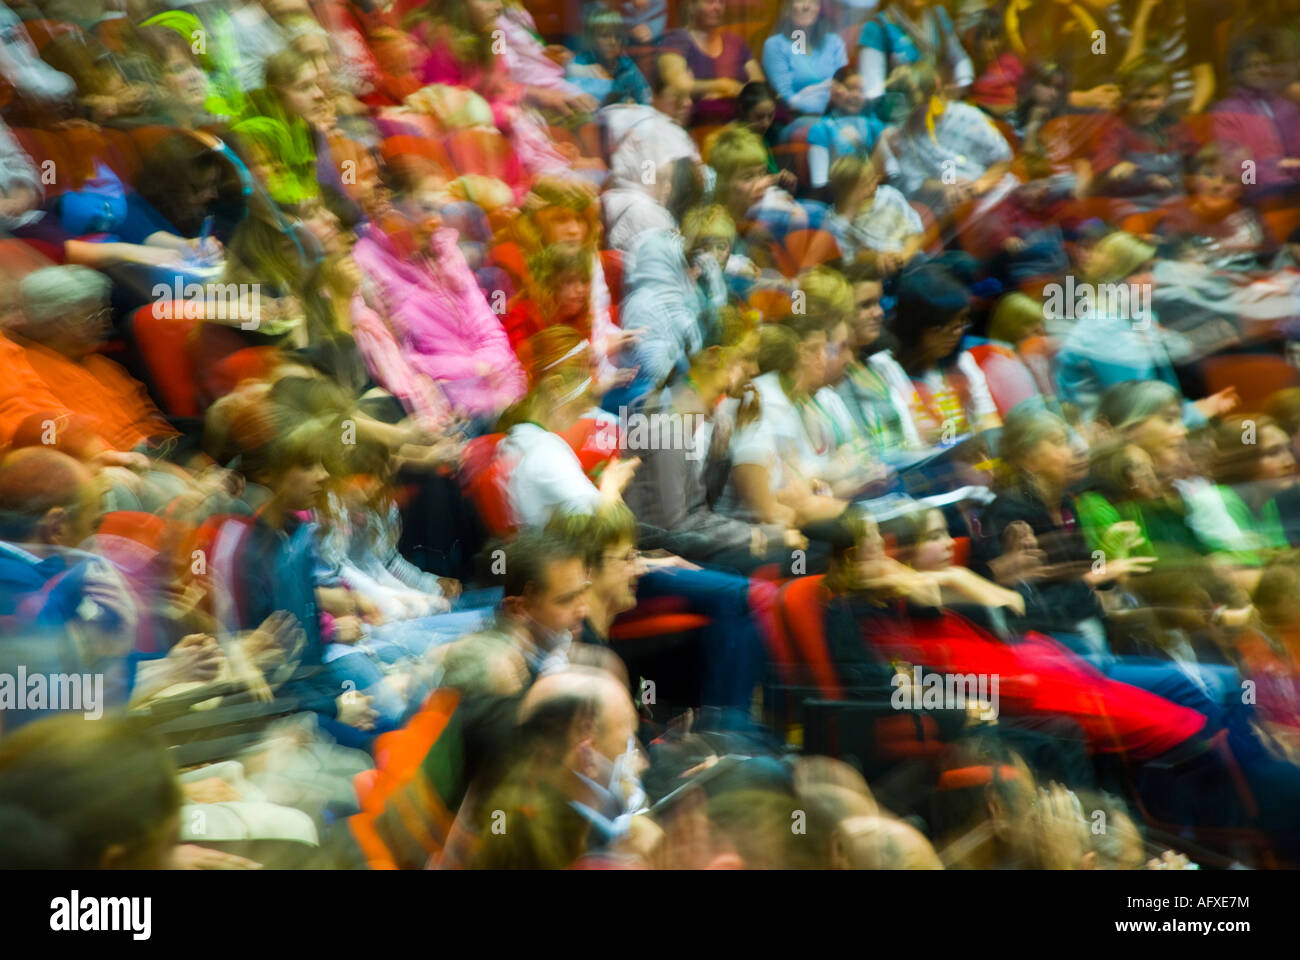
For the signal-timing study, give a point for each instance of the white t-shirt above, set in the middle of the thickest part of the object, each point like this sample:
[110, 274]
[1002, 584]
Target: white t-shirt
[901, 390]
[544, 476]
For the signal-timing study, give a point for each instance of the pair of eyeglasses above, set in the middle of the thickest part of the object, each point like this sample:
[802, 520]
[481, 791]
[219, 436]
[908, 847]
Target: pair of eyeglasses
[632, 556]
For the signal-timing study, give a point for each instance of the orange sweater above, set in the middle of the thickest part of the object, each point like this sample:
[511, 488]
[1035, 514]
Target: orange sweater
[102, 392]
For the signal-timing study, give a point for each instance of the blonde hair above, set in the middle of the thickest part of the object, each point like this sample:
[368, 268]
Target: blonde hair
[830, 295]
[1014, 315]
[735, 148]
[713, 220]
[1117, 256]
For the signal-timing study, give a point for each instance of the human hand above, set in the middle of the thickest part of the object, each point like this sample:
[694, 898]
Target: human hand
[189, 856]
[1218, 404]
[196, 658]
[618, 474]
[348, 629]
[210, 790]
[1122, 170]
[354, 710]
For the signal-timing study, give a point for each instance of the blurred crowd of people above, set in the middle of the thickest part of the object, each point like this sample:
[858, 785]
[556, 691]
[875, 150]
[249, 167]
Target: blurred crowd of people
[499, 434]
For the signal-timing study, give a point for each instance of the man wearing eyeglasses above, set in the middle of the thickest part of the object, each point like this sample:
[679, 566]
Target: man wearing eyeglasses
[65, 316]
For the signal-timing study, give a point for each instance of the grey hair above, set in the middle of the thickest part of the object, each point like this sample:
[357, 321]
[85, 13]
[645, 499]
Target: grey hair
[52, 293]
[1132, 401]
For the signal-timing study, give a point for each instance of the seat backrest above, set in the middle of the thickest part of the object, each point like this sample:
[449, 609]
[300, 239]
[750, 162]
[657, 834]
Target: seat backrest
[802, 603]
[482, 477]
[162, 333]
[1256, 377]
[804, 249]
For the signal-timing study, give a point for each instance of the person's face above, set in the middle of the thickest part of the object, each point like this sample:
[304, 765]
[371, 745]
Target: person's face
[85, 329]
[572, 292]
[325, 227]
[1216, 186]
[939, 342]
[870, 548]
[1276, 462]
[615, 580]
[1164, 437]
[748, 187]
[804, 13]
[1257, 71]
[761, 116]
[204, 188]
[1140, 473]
[869, 315]
[744, 364]
[187, 82]
[812, 361]
[837, 353]
[560, 603]
[305, 96]
[300, 485]
[1144, 106]
[483, 14]
[934, 549]
[607, 43]
[564, 226]
[717, 246]
[849, 96]
[674, 101]
[618, 722]
[423, 208]
[706, 14]
[1052, 460]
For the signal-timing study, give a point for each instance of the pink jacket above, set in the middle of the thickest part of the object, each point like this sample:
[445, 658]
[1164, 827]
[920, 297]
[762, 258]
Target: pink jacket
[442, 323]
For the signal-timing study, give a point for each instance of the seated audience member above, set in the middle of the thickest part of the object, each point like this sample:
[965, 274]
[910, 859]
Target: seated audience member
[1141, 155]
[1258, 118]
[663, 305]
[937, 388]
[872, 222]
[416, 278]
[572, 782]
[864, 391]
[718, 61]
[544, 607]
[654, 167]
[945, 153]
[105, 789]
[801, 55]
[545, 476]
[603, 71]
[671, 493]
[65, 317]
[1118, 341]
[756, 109]
[908, 34]
[843, 131]
[764, 213]
[1016, 317]
[778, 456]
[1211, 225]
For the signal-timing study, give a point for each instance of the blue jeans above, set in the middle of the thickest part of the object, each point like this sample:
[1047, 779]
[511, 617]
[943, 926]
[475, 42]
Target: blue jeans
[733, 647]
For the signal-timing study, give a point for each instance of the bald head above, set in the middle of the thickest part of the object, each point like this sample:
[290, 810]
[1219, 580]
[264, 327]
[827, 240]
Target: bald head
[609, 706]
[45, 496]
[882, 843]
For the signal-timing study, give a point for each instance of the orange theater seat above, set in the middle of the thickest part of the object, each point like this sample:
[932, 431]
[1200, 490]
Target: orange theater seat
[163, 337]
[1256, 377]
[802, 609]
[805, 249]
[482, 477]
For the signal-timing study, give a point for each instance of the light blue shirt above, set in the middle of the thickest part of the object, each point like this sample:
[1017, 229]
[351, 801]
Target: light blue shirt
[803, 79]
